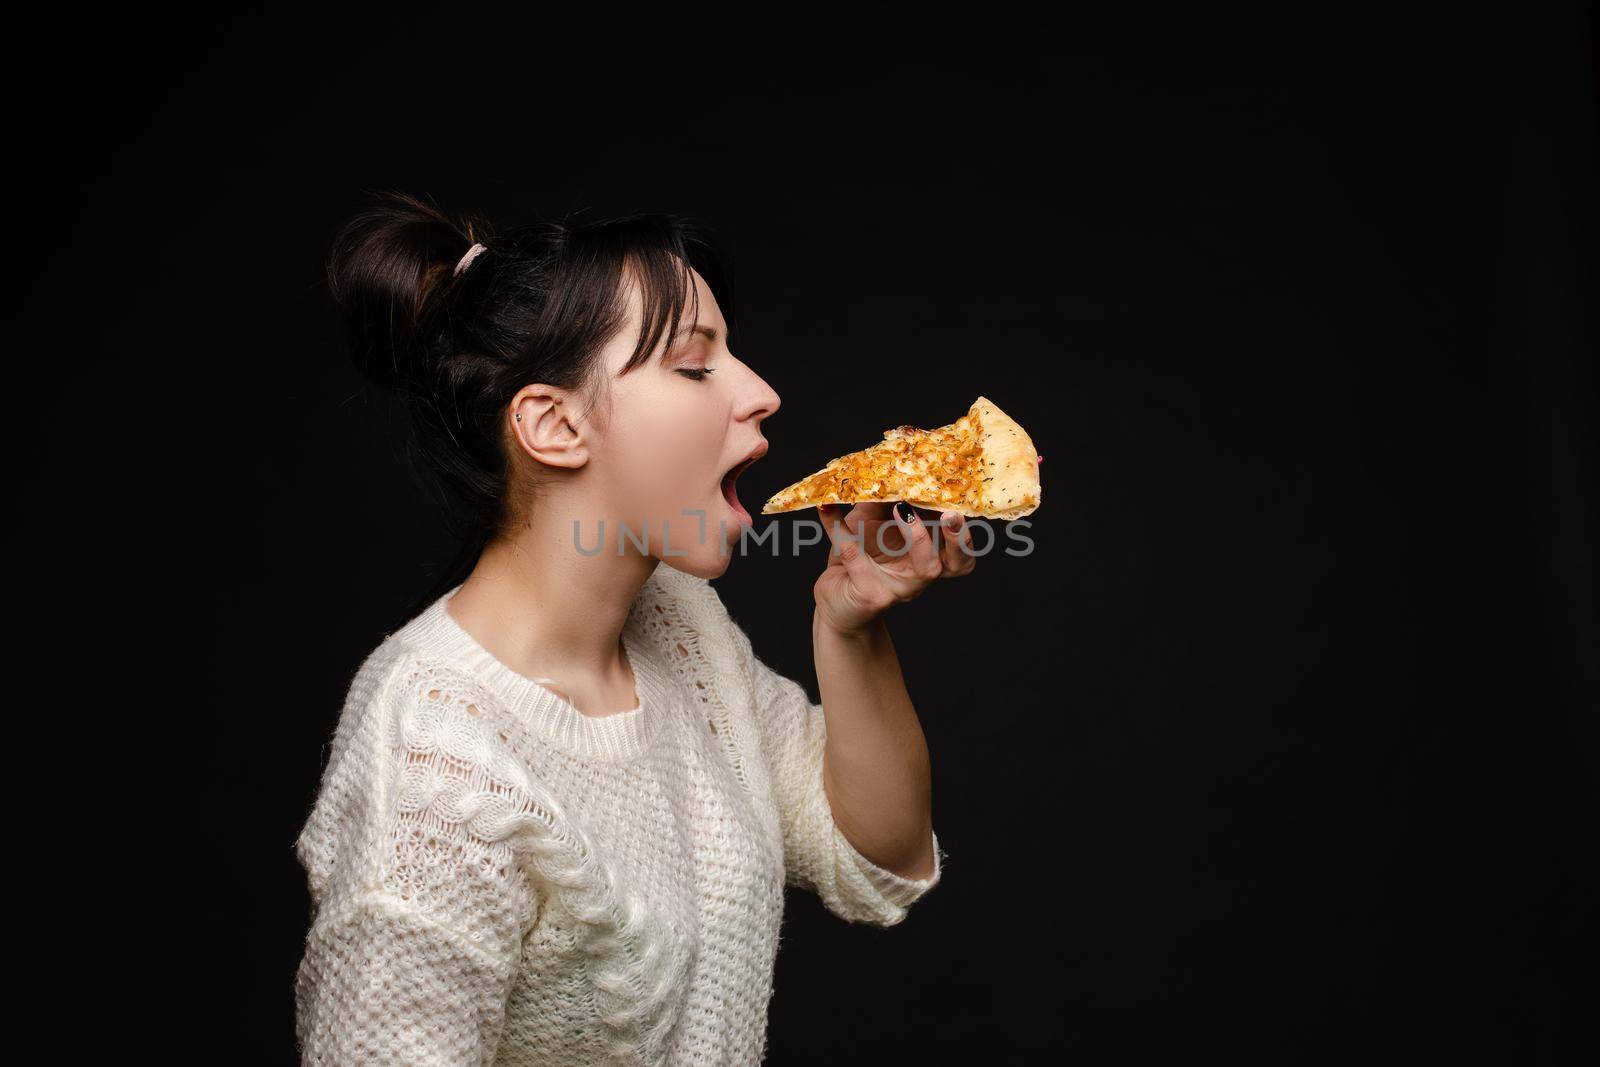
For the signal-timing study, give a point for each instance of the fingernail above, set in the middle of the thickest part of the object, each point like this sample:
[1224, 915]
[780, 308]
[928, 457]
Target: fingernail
[902, 509]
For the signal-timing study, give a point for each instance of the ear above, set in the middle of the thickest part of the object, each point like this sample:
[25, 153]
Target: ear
[544, 426]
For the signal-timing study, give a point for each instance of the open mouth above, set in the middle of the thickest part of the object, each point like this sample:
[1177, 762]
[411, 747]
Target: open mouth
[730, 492]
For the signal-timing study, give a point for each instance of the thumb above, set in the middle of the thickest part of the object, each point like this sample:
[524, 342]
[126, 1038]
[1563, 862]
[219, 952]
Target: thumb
[848, 544]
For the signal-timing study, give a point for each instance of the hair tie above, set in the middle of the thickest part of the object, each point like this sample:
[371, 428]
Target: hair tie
[466, 260]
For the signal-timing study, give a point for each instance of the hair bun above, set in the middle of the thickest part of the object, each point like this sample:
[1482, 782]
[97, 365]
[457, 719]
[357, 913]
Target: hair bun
[388, 263]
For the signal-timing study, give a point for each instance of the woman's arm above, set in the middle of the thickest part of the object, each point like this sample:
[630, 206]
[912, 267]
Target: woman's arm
[875, 767]
[818, 855]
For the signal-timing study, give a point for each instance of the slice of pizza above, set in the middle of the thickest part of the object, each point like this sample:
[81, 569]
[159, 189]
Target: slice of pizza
[982, 465]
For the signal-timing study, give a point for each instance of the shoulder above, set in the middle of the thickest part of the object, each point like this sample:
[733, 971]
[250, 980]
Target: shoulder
[437, 711]
[408, 708]
[399, 681]
[419, 737]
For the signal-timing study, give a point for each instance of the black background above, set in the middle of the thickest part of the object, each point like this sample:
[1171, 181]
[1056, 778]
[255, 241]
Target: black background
[1281, 743]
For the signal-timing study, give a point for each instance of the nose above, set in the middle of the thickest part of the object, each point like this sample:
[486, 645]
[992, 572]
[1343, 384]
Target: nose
[761, 399]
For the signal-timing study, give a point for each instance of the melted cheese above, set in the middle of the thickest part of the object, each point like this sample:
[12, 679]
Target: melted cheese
[939, 468]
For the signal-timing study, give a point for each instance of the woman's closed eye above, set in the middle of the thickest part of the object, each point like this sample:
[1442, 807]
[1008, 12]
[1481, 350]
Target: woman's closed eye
[698, 374]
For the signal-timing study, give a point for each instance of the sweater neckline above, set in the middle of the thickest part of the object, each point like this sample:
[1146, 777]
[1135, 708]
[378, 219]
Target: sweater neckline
[618, 735]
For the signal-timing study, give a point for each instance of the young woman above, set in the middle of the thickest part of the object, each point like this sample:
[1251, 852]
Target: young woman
[563, 800]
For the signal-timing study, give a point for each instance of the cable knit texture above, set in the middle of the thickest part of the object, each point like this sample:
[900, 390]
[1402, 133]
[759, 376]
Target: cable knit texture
[497, 877]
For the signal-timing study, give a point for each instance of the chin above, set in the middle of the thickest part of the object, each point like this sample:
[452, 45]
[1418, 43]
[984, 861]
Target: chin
[699, 567]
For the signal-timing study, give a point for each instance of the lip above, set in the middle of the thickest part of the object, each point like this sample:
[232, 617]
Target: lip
[756, 453]
[744, 464]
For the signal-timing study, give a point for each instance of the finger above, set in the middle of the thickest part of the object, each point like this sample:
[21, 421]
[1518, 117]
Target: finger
[922, 554]
[865, 575]
[873, 521]
[955, 544]
[835, 521]
[868, 511]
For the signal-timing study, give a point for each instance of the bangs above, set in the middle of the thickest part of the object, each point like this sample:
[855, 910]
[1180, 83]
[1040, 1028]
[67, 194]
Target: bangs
[664, 283]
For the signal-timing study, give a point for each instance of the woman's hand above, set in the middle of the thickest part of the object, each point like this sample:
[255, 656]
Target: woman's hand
[877, 559]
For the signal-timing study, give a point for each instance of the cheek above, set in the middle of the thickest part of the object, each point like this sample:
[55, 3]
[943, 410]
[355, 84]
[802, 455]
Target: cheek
[669, 452]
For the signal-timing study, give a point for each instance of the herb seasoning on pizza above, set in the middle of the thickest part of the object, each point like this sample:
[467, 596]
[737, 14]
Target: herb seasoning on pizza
[982, 465]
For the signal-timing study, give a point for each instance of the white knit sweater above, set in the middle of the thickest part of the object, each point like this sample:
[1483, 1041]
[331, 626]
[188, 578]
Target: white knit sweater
[497, 877]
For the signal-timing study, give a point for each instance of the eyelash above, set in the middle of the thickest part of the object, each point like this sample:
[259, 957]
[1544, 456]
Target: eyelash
[697, 375]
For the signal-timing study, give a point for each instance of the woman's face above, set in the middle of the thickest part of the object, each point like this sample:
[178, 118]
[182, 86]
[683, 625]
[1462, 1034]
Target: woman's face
[677, 425]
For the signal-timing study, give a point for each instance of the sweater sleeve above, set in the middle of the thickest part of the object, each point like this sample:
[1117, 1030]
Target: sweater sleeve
[419, 925]
[817, 855]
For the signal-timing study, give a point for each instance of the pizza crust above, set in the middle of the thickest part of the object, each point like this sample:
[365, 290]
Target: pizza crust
[1012, 465]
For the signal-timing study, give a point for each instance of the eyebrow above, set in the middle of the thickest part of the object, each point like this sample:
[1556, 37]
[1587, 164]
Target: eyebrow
[709, 331]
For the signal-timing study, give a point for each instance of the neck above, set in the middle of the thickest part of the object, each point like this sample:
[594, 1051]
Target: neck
[546, 610]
